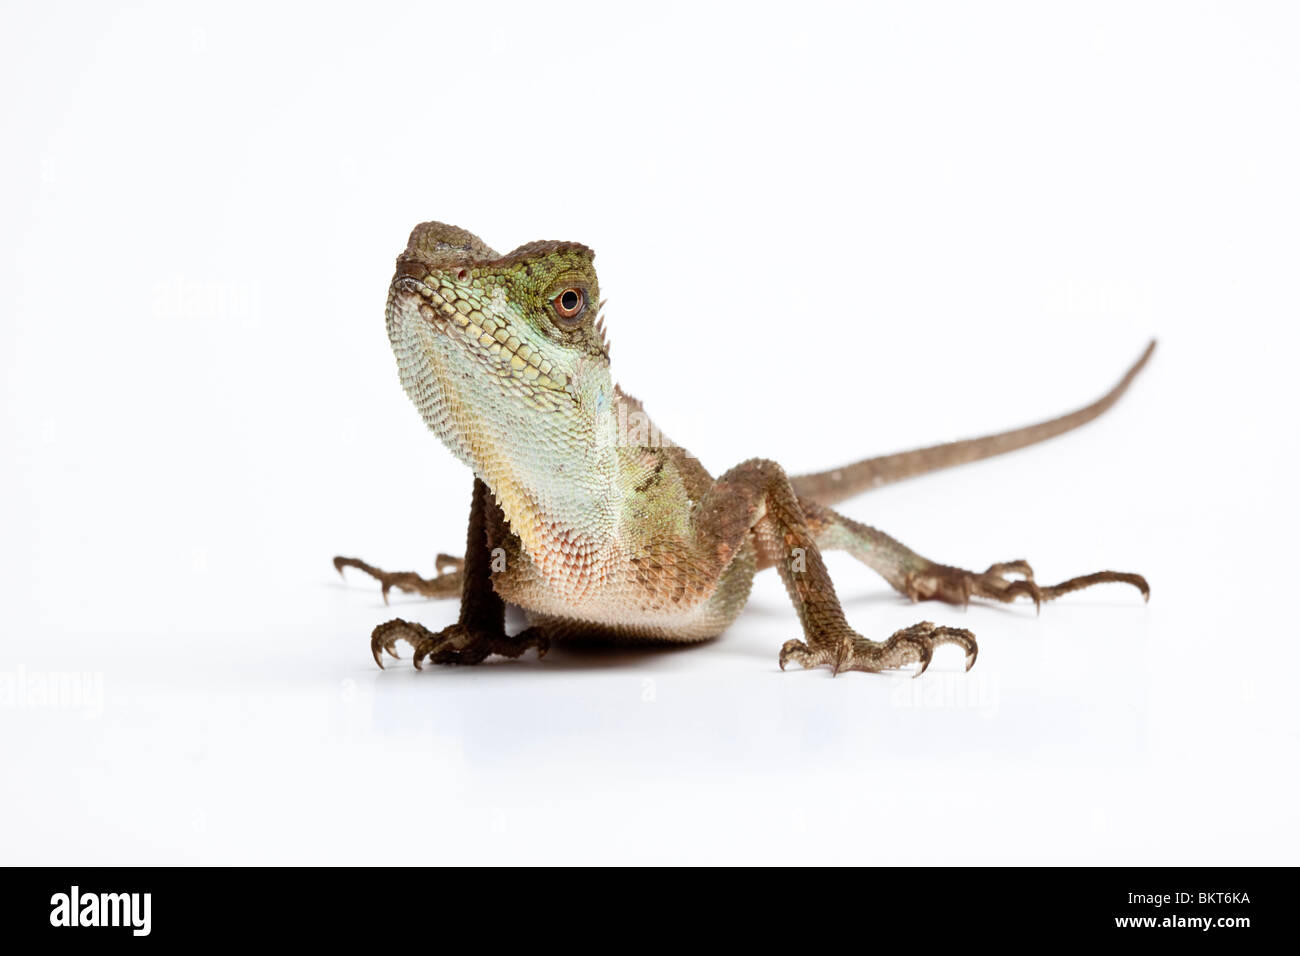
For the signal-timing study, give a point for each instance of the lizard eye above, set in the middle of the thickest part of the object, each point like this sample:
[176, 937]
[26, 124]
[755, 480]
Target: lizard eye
[569, 305]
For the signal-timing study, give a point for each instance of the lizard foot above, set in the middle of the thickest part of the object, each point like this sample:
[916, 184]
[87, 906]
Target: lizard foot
[911, 645]
[454, 644]
[446, 584]
[940, 582]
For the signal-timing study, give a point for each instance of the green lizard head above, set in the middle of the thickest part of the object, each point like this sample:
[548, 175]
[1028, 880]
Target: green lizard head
[507, 363]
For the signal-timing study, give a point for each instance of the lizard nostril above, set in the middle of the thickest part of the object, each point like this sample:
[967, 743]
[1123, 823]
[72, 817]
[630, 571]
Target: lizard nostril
[462, 274]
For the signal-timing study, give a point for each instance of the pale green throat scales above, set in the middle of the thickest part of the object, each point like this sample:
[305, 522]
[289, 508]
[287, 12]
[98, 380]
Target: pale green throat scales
[586, 516]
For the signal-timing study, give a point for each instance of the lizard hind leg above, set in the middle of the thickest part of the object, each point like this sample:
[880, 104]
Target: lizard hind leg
[445, 584]
[921, 579]
[755, 498]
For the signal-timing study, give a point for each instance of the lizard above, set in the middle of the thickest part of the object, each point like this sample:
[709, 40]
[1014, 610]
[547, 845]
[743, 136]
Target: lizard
[586, 516]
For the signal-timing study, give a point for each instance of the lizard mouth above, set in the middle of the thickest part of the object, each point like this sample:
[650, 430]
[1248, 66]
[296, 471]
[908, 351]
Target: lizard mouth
[432, 306]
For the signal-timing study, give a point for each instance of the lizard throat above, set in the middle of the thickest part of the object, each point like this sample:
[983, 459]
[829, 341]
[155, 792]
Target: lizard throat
[553, 470]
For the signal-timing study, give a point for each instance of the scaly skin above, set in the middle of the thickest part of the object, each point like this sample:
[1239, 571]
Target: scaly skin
[593, 522]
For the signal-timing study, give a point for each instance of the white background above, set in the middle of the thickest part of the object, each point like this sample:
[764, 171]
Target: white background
[825, 232]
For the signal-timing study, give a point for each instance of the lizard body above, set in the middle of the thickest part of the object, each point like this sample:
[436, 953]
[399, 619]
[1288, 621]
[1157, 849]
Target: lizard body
[586, 516]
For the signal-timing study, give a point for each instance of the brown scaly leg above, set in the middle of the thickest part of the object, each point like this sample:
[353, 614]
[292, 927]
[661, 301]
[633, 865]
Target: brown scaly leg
[446, 584]
[756, 498]
[922, 579]
[480, 631]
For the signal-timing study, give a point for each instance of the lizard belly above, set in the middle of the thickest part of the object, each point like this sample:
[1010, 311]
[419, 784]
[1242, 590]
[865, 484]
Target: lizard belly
[653, 597]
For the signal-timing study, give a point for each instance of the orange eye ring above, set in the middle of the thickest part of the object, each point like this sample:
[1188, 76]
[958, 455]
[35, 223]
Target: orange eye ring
[570, 303]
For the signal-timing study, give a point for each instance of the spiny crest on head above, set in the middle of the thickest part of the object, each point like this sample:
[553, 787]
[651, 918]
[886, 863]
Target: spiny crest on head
[544, 247]
[600, 326]
[441, 245]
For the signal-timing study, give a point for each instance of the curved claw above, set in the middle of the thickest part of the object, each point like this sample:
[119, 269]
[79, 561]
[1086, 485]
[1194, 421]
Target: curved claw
[381, 641]
[423, 650]
[791, 649]
[843, 654]
[1028, 587]
[924, 650]
[1019, 566]
[534, 636]
[385, 637]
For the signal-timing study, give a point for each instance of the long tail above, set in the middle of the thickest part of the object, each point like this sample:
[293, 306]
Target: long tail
[828, 487]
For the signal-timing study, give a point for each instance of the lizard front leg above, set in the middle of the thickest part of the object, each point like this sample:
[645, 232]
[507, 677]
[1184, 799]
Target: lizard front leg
[921, 579]
[756, 498]
[480, 630]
